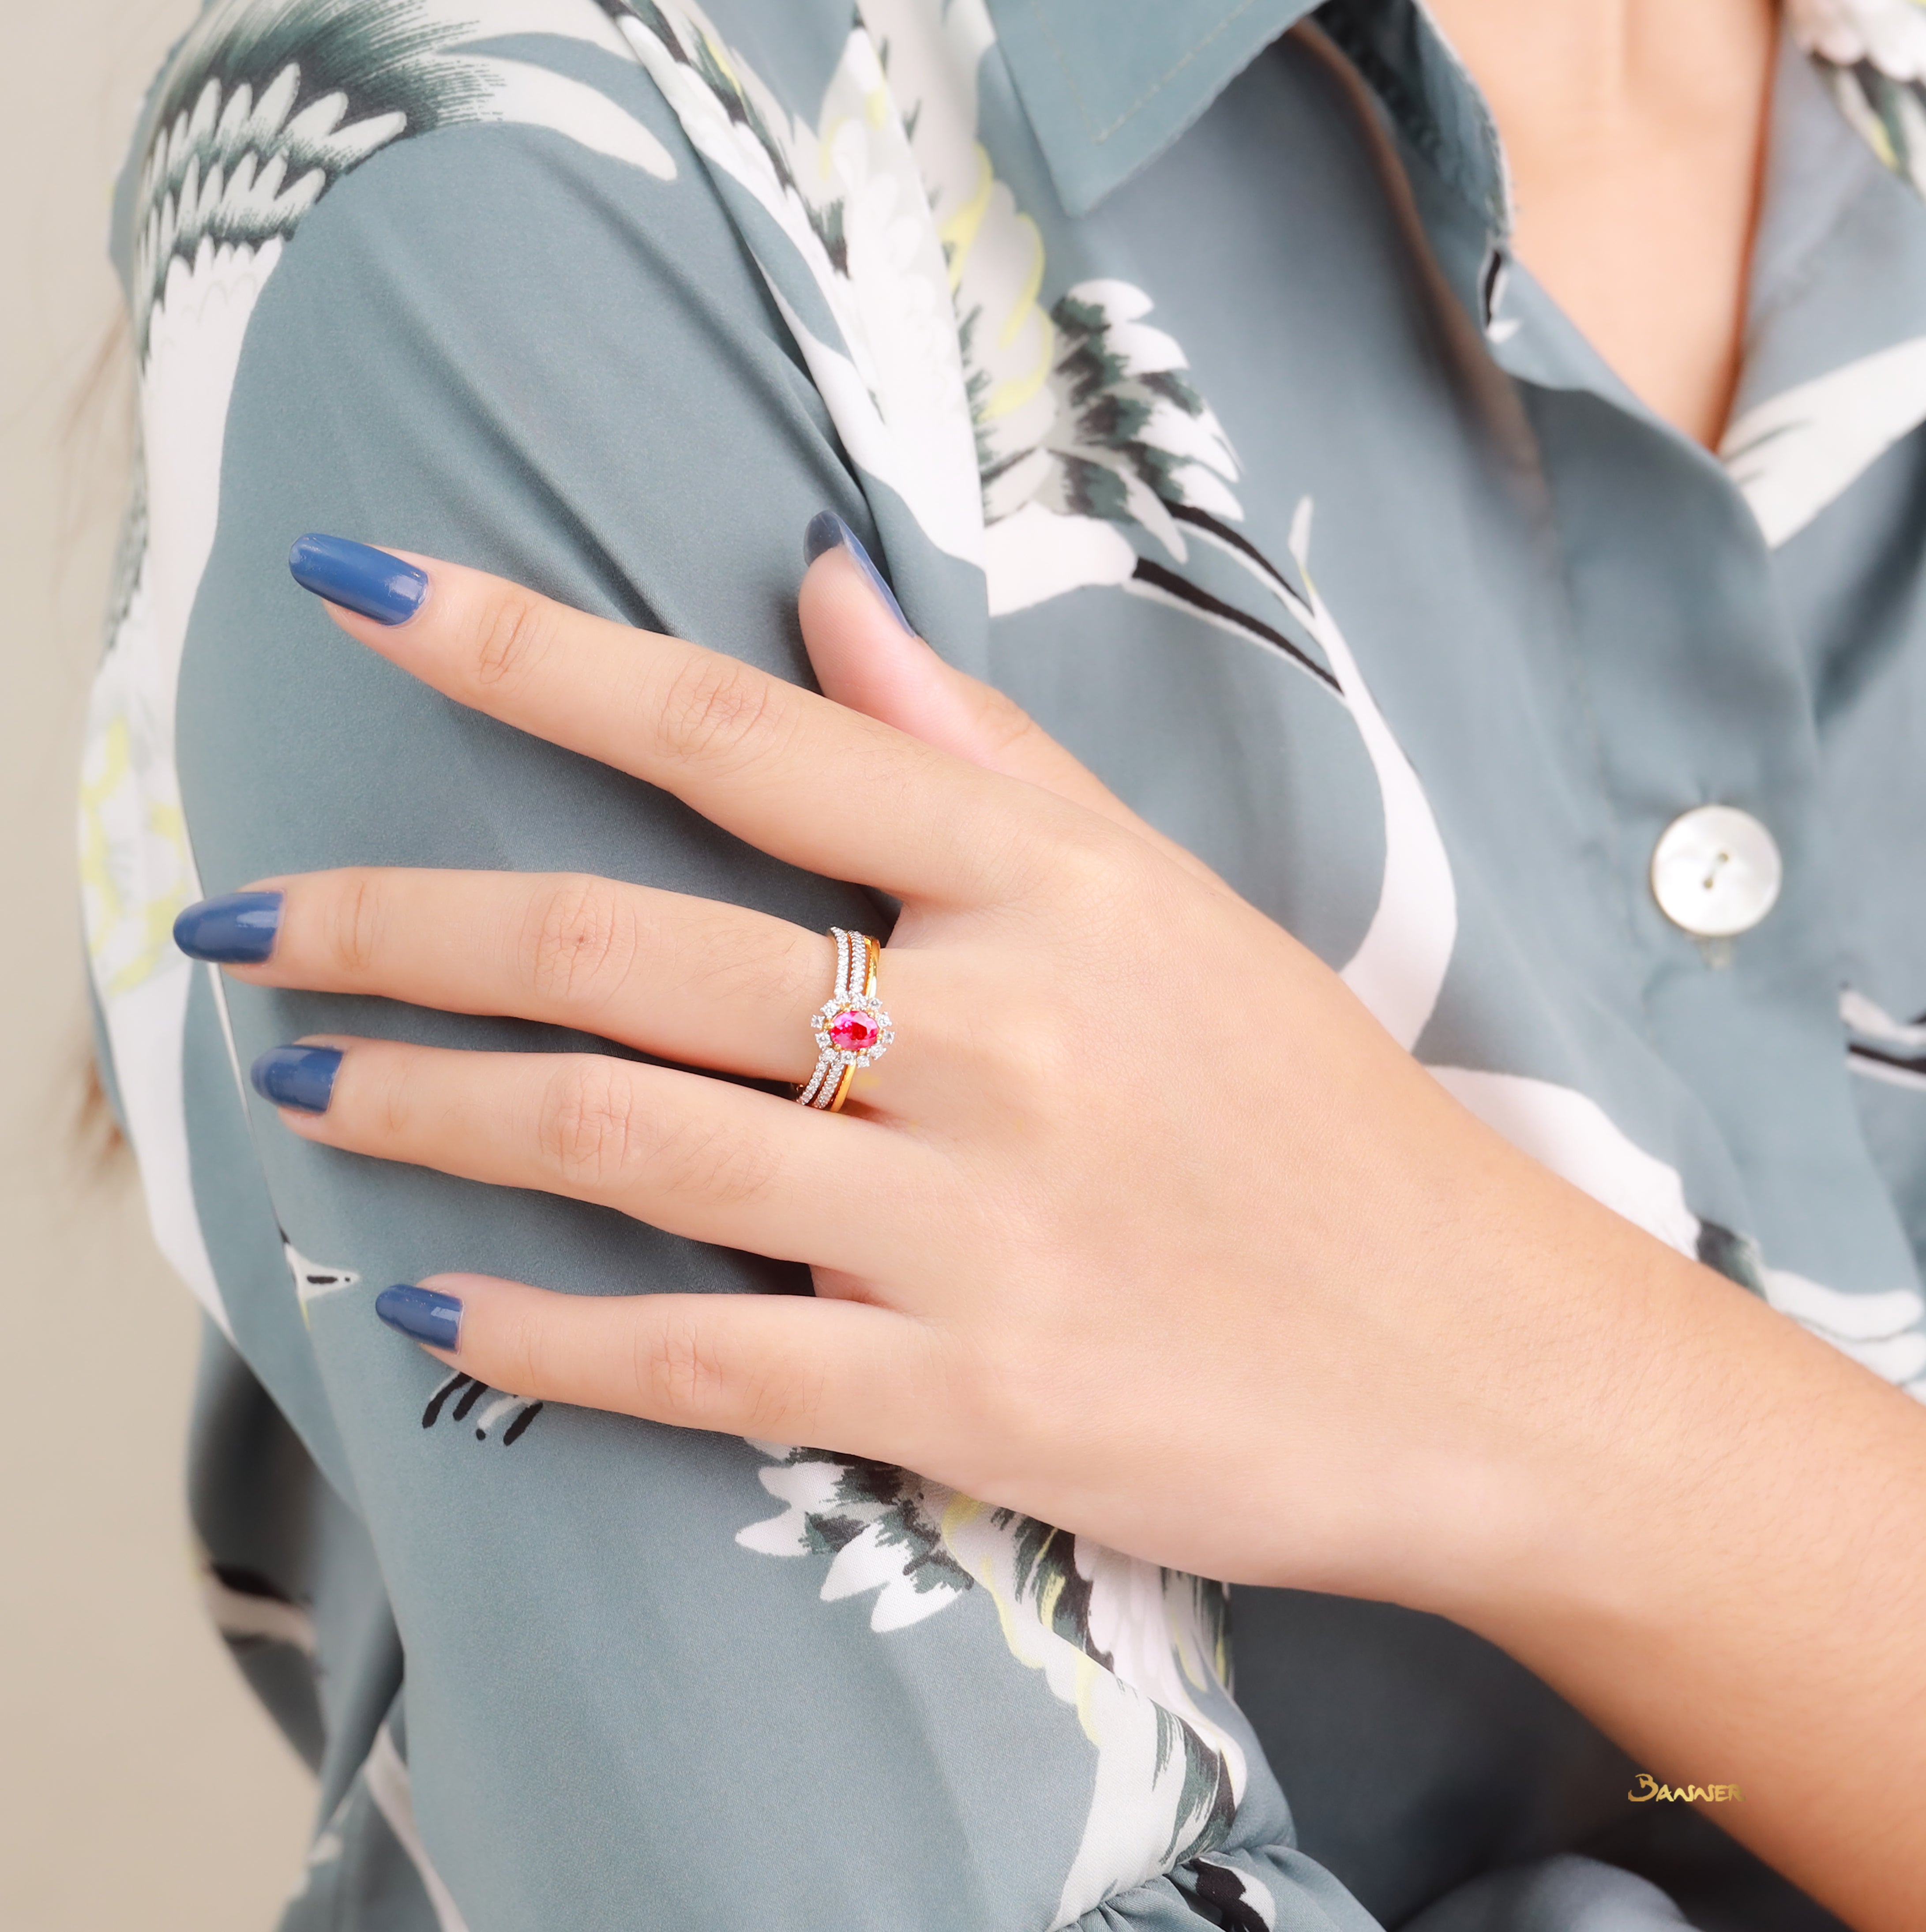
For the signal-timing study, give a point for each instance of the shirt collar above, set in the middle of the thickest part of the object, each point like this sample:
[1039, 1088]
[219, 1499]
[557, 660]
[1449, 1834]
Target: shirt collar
[1108, 85]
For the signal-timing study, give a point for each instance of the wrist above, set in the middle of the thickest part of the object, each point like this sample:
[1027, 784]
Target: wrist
[1612, 1399]
[1717, 1554]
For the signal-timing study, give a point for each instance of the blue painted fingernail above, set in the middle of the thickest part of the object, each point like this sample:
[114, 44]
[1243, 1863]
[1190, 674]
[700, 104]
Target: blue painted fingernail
[236, 929]
[425, 1313]
[827, 531]
[359, 578]
[300, 1077]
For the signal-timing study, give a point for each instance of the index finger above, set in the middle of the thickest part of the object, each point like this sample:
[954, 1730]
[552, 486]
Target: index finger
[802, 778]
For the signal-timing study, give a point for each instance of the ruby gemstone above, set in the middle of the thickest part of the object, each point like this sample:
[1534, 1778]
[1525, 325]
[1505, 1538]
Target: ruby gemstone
[853, 1032]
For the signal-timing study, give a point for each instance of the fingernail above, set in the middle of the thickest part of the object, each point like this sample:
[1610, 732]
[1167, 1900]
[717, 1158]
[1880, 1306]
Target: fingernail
[300, 1077]
[825, 532]
[359, 578]
[236, 929]
[425, 1313]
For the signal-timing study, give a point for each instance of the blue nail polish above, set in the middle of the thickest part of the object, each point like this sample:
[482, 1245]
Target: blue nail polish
[359, 578]
[827, 531]
[236, 929]
[423, 1312]
[300, 1077]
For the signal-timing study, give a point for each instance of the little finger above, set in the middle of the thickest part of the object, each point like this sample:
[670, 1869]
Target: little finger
[845, 1375]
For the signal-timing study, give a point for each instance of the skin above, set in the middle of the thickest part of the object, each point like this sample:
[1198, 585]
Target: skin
[1434, 1373]
[1636, 133]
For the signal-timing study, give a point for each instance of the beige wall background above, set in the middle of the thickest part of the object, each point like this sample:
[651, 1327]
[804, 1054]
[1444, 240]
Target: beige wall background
[139, 1784]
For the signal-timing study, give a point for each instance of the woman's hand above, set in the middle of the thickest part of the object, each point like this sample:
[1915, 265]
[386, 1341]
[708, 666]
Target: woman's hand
[1142, 1226]
[1141, 1205]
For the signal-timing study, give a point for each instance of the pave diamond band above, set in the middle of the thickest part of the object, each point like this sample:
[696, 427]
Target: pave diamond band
[851, 1028]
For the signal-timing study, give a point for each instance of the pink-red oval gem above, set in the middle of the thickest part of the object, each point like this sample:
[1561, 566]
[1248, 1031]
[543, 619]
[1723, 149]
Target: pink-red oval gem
[853, 1032]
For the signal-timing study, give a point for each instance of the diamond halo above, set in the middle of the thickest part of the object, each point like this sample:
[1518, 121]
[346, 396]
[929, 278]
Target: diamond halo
[851, 1029]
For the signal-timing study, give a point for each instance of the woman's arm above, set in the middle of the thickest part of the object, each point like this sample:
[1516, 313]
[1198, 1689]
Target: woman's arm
[648, 1678]
[1731, 1578]
[1137, 1160]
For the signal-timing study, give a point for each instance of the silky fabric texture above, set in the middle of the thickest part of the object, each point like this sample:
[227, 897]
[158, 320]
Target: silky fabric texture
[1174, 364]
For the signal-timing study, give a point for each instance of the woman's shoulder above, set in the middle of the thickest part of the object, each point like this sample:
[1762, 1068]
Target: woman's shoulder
[264, 107]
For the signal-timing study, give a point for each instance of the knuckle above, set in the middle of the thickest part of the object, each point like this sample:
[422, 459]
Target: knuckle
[977, 1374]
[676, 1371]
[352, 929]
[528, 1363]
[719, 711]
[598, 1136]
[589, 1130]
[683, 1367]
[395, 1112]
[514, 630]
[1003, 722]
[1093, 866]
[583, 942]
[770, 1402]
[1030, 1057]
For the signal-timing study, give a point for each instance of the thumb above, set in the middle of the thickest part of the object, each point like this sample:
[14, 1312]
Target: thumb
[840, 1375]
[866, 657]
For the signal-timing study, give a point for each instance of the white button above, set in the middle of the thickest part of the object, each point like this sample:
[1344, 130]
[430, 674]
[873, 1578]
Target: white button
[1716, 871]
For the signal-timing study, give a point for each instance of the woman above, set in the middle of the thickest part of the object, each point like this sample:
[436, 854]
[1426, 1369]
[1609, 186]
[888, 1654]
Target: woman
[1353, 1153]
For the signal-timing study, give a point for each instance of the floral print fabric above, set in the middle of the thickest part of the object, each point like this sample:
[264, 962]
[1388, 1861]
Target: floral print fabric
[1308, 521]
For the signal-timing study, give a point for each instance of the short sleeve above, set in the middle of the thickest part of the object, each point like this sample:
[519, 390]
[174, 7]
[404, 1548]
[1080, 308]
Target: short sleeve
[647, 1678]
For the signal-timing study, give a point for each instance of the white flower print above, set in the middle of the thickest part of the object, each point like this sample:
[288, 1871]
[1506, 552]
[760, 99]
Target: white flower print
[847, 197]
[1889, 34]
[1130, 1646]
[1873, 54]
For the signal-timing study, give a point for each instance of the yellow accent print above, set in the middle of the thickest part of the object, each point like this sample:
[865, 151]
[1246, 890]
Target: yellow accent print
[958, 234]
[128, 844]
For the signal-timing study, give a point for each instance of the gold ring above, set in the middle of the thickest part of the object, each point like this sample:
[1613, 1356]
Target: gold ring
[850, 1027]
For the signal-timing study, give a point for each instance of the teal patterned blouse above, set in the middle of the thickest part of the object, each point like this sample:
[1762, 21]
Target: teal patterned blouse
[1171, 358]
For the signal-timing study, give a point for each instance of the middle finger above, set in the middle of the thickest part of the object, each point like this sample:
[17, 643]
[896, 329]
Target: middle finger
[696, 1157]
